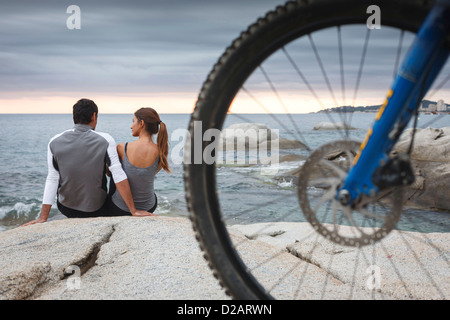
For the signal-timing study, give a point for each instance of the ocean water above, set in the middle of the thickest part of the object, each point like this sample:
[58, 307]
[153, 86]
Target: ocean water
[23, 170]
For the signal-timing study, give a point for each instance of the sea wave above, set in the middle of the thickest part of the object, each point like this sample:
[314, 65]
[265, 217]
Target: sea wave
[19, 210]
[286, 183]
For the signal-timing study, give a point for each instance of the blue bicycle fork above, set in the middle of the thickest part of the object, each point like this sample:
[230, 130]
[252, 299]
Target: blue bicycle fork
[421, 66]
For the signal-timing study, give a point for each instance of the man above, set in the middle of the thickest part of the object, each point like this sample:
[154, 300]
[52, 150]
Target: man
[77, 161]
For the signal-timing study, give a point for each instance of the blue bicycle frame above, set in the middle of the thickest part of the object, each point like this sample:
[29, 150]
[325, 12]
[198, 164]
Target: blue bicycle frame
[421, 66]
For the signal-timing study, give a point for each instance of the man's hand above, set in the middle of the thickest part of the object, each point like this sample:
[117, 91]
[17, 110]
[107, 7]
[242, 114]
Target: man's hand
[45, 211]
[39, 220]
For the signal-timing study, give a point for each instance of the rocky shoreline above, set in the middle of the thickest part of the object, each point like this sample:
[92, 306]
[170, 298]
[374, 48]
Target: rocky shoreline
[159, 258]
[429, 159]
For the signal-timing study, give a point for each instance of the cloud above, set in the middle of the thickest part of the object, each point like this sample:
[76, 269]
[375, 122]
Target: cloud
[154, 46]
[122, 45]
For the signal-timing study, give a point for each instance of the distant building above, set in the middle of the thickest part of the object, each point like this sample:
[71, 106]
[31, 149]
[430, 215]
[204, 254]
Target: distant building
[431, 107]
[424, 106]
[434, 107]
[441, 106]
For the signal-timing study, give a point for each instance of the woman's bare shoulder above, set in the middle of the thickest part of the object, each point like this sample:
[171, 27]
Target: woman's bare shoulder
[141, 154]
[121, 150]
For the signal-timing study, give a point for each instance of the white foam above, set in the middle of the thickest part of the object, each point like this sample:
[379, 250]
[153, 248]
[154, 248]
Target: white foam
[20, 209]
[286, 184]
[164, 205]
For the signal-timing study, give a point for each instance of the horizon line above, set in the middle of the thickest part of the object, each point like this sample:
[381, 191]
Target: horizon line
[126, 113]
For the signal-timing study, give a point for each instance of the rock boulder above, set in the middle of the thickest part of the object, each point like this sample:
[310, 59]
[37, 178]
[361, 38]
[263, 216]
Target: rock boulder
[430, 159]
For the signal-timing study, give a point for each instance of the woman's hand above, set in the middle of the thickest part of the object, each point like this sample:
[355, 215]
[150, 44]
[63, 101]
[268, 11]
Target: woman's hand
[140, 213]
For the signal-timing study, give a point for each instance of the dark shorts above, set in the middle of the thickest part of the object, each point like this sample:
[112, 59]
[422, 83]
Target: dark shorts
[72, 213]
[116, 211]
[109, 209]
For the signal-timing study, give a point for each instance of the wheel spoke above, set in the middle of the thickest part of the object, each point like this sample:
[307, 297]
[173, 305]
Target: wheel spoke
[293, 237]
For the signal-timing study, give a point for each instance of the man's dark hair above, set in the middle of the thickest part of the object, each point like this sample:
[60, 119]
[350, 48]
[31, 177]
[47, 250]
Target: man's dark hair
[83, 111]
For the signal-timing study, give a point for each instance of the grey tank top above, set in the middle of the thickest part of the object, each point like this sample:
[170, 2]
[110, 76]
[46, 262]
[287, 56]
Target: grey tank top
[141, 184]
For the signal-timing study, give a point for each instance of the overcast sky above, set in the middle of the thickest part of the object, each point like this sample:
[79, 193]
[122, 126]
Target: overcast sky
[143, 46]
[147, 44]
[126, 52]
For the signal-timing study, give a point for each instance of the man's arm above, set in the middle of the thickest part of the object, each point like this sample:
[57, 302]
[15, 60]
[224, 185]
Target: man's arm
[45, 211]
[51, 188]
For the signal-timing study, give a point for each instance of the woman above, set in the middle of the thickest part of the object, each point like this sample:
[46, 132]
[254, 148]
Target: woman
[142, 160]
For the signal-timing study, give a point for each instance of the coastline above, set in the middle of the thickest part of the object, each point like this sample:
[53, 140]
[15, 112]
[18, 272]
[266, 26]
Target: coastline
[159, 258]
[23, 184]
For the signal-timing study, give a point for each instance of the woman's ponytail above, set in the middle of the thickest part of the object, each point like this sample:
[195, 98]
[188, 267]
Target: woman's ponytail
[154, 125]
[163, 146]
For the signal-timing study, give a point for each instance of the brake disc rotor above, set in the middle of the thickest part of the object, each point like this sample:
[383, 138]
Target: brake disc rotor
[357, 225]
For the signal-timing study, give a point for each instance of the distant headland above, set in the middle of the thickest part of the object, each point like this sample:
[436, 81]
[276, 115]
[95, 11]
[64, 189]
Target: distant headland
[426, 106]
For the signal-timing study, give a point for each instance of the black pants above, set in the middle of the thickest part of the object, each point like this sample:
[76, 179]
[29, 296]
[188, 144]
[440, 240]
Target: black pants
[72, 213]
[109, 209]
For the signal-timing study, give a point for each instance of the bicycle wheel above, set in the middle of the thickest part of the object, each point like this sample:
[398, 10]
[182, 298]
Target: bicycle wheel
[241, 182]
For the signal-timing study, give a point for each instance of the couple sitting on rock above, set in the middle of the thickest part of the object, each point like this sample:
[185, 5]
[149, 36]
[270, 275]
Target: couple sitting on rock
[79, 159]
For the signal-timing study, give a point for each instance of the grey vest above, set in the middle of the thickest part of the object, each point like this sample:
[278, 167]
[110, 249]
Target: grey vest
[80, 155]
